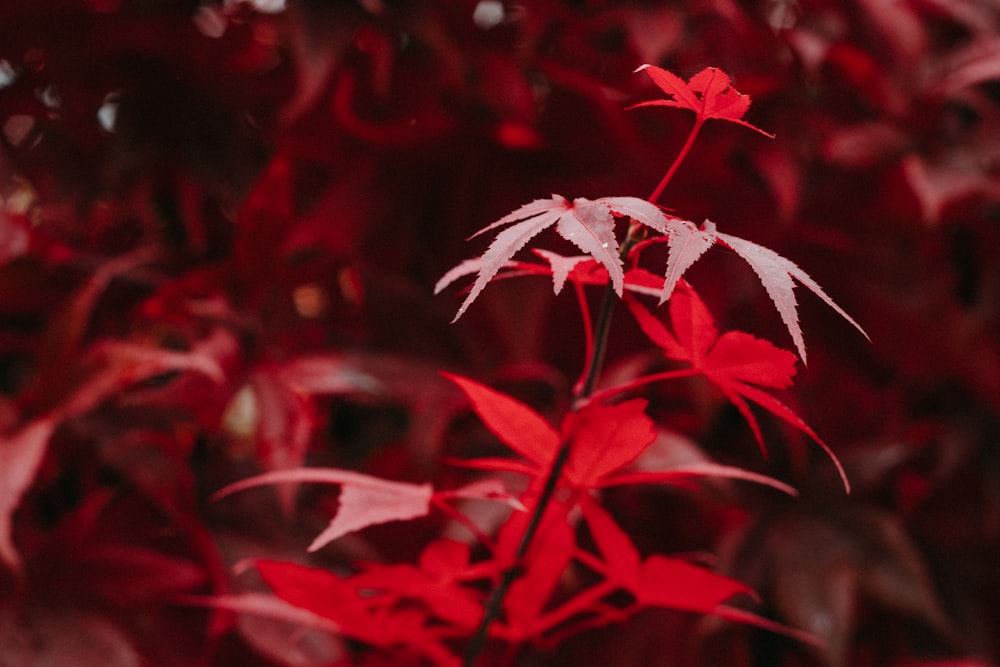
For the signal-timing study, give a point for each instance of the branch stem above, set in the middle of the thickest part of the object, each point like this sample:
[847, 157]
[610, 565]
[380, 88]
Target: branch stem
[581, 393]
[677, 161]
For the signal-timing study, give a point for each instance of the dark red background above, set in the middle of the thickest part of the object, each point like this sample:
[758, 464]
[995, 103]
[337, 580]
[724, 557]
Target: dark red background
[275, 185]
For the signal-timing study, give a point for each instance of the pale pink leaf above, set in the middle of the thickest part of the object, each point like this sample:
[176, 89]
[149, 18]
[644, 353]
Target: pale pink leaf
[639, 210]
[590, 226]
[529, 210]
[685, 245]
[587, 224]
[364, 500]
[484, 489]
[464, 268]
[20, 456]
[776, 274]
[504, 246]
[561, 266]
[327, 374]
[369, 504]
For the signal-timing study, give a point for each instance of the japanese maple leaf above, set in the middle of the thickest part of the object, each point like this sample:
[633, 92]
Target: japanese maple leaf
[656, 581]
[435, 582]
[582, 269]
[364, 500]
[686, 243]
[739, 364]
[589, 224]
[361, 617]
[709, 94]
[605, 439]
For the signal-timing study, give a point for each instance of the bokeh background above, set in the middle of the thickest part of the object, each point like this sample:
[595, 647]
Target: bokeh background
[220, 228]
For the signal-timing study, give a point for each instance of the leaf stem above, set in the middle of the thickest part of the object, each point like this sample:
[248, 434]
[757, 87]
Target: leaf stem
[677, 160]
[581, 393]
[644, 380]
[495, 600]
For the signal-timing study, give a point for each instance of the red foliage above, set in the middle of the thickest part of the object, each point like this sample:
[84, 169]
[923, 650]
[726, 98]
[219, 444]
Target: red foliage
[221, 224]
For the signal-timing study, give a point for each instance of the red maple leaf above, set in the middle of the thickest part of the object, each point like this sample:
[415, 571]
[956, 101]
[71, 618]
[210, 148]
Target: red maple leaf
[656, 581]
[739, 364]
[391, 605]
[604, 439]
[709, 94]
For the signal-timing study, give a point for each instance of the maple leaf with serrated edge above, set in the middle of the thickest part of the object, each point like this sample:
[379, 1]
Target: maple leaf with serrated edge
[655, 581]
[739, 364]
[709, 94]
[686, 243]
[582, 269]
[588, 224]
[605, 440]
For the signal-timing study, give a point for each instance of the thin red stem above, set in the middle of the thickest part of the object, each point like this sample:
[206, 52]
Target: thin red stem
[643, 381]
[677, 161]
[588, 333]
[466, 522]
[597, 345]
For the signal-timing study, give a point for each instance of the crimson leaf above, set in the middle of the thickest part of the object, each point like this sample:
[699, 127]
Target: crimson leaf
[709, 94]
[739, 364]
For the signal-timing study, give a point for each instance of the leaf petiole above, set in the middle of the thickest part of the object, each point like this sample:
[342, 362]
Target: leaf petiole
[685, 149]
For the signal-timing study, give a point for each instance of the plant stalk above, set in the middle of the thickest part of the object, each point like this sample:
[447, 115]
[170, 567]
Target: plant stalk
[685, 149]
[494, 602]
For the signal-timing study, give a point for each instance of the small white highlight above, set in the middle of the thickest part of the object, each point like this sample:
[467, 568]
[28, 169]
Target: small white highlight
[7, 74]
[50, 97]
[488, 14]
[107, 114]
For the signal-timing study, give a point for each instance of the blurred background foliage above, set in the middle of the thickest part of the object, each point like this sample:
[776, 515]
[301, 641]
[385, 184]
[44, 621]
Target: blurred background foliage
[221, 223]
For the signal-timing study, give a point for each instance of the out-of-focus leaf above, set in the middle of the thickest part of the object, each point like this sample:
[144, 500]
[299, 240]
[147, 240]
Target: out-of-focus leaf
[38, 636]
[20, 455]
[364, 500]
